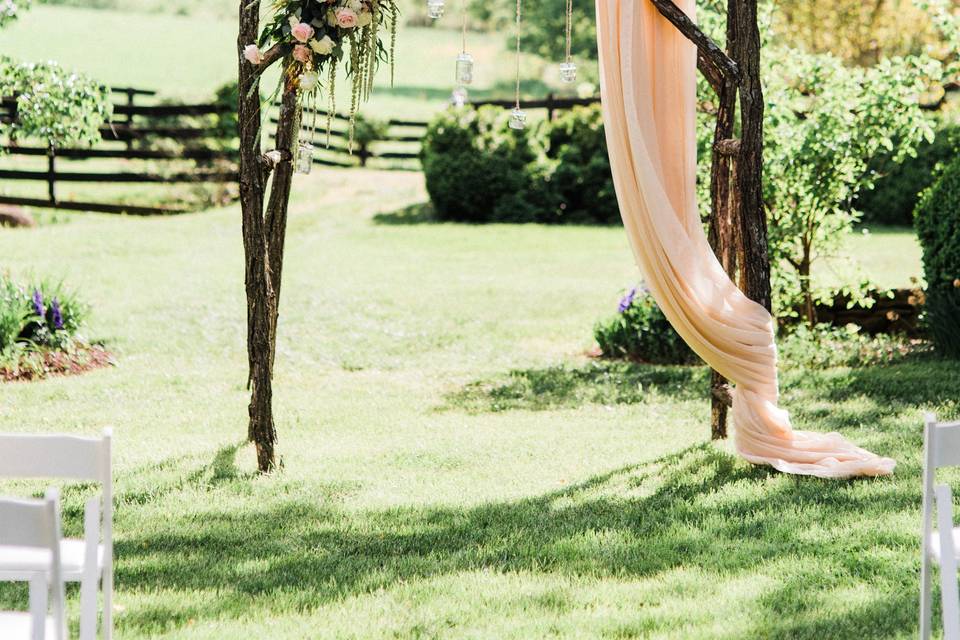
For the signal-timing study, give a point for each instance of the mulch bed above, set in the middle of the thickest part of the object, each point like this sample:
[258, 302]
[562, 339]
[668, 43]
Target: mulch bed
[61, 363]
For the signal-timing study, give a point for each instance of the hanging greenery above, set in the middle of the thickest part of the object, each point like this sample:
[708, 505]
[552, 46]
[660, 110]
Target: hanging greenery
[316, 35]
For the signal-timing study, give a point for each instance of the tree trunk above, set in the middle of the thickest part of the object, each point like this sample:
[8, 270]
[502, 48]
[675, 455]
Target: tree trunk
[263, 235]
[744, 47]
[276, 219]
[722, 234]
[738, 225]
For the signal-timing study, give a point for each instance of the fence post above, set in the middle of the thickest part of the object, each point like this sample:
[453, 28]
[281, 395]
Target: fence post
[52, 175]
[550, 107]
[131, 99]
[364, 153]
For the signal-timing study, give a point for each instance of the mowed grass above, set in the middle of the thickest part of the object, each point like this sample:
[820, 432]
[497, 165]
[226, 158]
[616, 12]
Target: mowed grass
[453, 466]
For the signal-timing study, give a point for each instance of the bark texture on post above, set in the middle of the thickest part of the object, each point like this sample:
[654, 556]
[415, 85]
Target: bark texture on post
[263, 233]
[745, 50]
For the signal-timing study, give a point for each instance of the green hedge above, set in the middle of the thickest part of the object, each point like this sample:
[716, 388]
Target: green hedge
[897, 190]
[938, 227]
[479, 170]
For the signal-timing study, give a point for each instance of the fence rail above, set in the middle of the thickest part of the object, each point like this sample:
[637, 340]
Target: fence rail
[412, 133]
[133, 123]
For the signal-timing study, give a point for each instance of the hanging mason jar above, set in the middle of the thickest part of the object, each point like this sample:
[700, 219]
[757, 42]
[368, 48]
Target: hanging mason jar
[464, 68]
[435, 8]
[518, 119]
[304, 158]
[568, 72]
[459, 97]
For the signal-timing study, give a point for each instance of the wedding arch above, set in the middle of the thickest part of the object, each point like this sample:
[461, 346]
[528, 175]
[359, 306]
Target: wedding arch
[649, 53]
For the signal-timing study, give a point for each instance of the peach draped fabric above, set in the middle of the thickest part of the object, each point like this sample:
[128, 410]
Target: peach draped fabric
[648, 85]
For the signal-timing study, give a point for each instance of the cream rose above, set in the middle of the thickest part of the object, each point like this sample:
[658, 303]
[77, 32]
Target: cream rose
[323, 46]
[309, 81]
[364, 19]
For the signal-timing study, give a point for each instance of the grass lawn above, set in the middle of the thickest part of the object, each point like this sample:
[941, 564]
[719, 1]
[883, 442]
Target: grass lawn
[453, 466]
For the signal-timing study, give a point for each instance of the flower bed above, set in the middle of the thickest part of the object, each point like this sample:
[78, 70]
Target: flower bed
[39, 332]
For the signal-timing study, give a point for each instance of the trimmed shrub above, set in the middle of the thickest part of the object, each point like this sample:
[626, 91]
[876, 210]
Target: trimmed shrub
[640, 331]
[581, 175]
[479, 170]
[897, 189]
[938, 227]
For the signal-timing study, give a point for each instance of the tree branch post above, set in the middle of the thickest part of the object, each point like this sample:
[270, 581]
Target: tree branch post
[261, 297]
[738, 224]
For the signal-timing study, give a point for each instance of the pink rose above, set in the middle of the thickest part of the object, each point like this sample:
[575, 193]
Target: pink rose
[252, 54]
[346, 18]
[301, 31]
[301, 53]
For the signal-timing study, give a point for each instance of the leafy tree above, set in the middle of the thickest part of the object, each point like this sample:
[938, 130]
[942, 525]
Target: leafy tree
[824, 122]
[55, 105]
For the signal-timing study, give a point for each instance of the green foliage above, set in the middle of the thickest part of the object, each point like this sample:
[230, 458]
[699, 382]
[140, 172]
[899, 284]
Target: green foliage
[640, 331]
[938, 227]
[826, 346]
[41, 314]
[10, 10]
[368, 130]
[479, 170]
[824, 123]
[580, 175]
[898, 185]
[59, 107]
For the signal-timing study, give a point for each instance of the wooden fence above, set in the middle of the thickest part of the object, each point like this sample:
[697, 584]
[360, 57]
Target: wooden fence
[132, 123]
[399, 148]
[146, 124]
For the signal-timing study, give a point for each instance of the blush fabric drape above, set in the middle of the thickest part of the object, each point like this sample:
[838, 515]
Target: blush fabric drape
[648, 88]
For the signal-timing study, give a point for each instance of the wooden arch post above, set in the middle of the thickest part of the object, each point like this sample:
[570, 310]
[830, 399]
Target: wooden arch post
[738, 223]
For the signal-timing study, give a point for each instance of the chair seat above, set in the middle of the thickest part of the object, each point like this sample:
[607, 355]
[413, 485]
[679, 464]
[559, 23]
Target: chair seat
[17, 563]
[935, 543]
[16, 625]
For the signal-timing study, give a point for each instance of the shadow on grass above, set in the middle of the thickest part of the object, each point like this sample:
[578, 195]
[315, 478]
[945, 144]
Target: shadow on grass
[420, 213]
[837, 559]
[604, 382]
[696, 508]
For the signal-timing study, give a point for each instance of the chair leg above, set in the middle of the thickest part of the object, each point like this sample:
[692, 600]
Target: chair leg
[108, 603]
[88, 609]
[926, 614]
[39, 592]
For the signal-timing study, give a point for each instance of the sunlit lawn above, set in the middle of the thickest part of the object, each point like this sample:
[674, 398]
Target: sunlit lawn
[453, 466]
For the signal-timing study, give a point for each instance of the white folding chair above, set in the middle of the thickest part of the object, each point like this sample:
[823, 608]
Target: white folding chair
[941, 448]
[33, 527]
[88, 561]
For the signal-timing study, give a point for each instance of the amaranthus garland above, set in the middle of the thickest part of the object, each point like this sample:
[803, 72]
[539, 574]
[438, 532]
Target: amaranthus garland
[322, 33]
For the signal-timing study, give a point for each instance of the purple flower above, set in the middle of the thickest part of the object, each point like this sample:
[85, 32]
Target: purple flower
[627, 300]
[38, 303]
[57, 314]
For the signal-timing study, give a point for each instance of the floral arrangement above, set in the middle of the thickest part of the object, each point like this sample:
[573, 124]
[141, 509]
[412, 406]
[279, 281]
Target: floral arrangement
[314, 36]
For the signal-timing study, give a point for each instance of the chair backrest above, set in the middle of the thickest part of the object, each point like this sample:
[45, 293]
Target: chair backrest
[36, 523]
[55, 456]
[941, 442]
